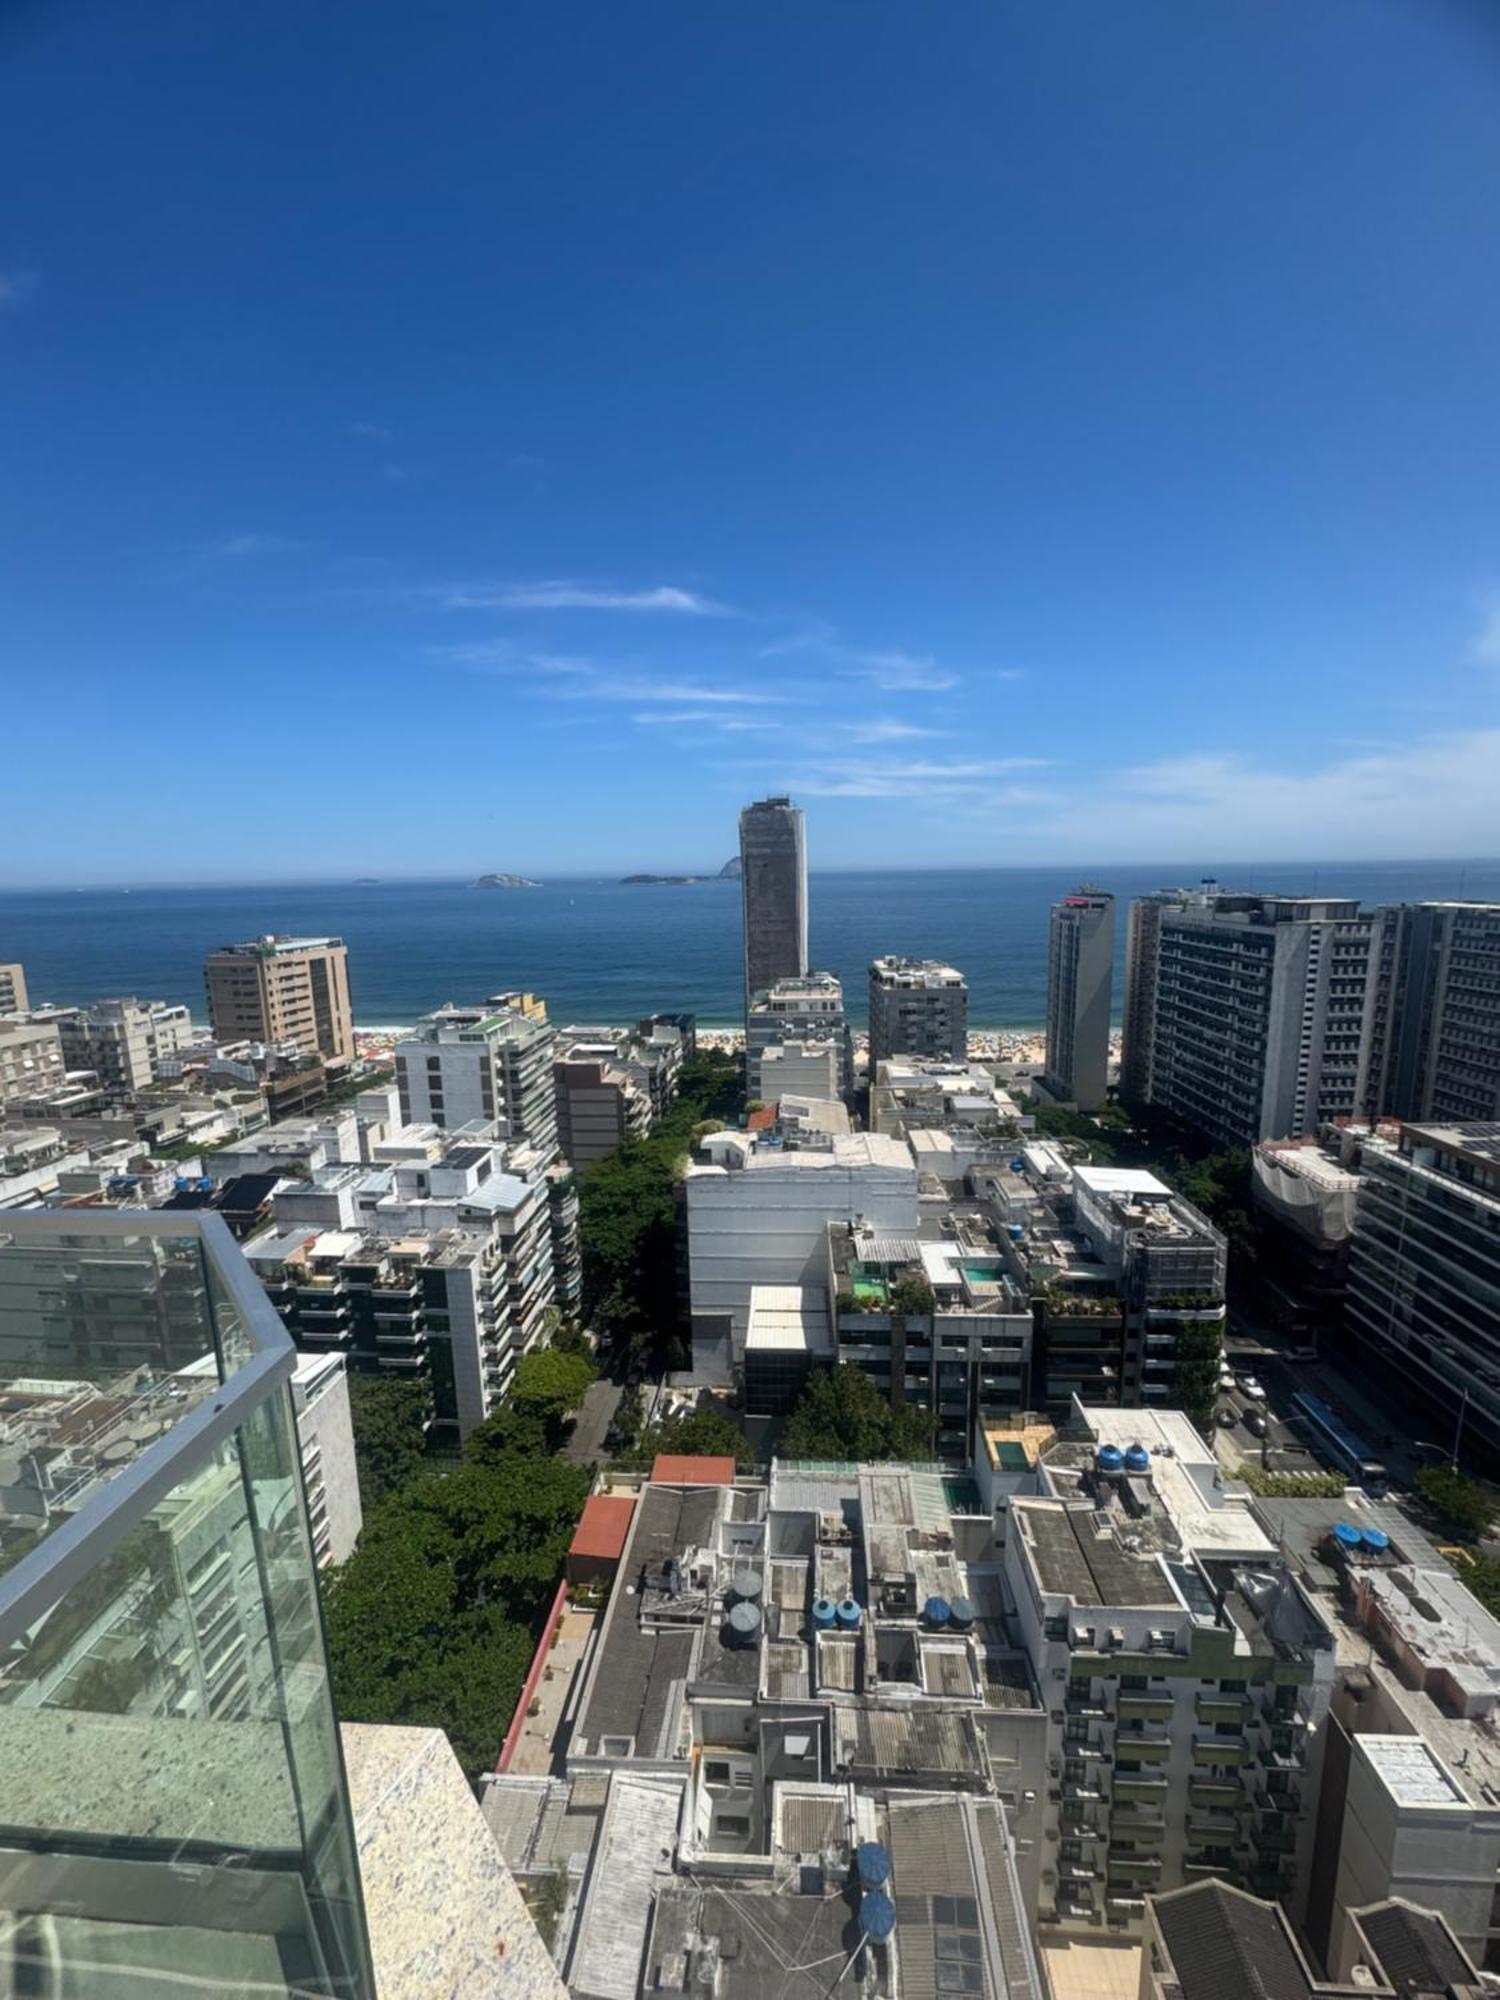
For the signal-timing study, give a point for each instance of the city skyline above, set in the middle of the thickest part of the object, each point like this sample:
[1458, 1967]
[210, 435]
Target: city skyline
[682, 413]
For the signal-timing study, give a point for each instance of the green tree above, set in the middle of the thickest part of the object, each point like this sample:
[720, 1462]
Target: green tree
[628, 1216]
[550, 1385]
[841, 1414]
[1196, 1381]
[912, 1296]
[709, 1432]
[1466, 1507]
[434, 1619]
[390, 1434]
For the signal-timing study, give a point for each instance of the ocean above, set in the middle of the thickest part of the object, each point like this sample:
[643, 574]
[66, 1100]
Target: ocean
[600, 951]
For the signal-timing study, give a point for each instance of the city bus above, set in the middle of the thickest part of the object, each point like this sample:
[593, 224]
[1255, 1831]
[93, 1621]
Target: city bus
[1333, 1439]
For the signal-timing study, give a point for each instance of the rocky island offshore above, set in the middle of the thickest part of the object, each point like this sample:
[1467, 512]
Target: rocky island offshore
[729, 872]
[506, 882]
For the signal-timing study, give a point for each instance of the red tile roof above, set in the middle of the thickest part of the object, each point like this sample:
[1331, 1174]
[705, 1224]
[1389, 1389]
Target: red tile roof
[764, 1119]
[603, 1526]
[675, 1469]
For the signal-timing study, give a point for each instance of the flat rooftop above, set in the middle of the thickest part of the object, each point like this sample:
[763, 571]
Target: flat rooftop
[1410, 1771]
[1074, 1559]
[788, 1319]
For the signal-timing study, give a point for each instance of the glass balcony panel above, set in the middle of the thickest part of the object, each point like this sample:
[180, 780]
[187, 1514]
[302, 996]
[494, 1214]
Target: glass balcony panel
[175, 1818]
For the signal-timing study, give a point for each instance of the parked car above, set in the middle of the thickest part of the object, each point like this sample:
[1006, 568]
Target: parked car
[1251, 1388]
[1255, 1422]
[1300, 1354]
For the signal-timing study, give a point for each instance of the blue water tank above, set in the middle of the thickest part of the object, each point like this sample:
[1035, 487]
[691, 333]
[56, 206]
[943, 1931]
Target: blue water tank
[1109, 1458]
[1137, 1458]
[823, 1614]
[1015, 1231]
[848, 1614]
[937, 1611]
[1018, 1165]
[1347, 1535]
[1375, 1541]
[962, 1613]
[873, 1863]
[877, 1916]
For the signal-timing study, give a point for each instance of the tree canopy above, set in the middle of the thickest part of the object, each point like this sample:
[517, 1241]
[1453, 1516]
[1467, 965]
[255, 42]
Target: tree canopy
[1465, 1507]
[434, 1619]
[628, 1214]
[390, 1434]
[709, 1432]
[843, 1415]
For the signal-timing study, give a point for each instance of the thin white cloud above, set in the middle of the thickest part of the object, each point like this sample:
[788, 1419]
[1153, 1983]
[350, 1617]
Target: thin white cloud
[703, 718]
[233, 548]
[563, 594]
[691, 694]
[921, 778]
[1222, 806]
[17, 286]
[891, 671]
[379, 433]
[889, 729]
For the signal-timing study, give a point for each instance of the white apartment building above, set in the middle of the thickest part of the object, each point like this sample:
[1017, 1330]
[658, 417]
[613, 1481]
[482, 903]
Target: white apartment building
[126, 1042]
[1257, 1012]
[800, 1069]
[31, 1060]
[757, 1214]
[806, 1008]
[330, 1477]
[1186, 1671]
[486, 1063]
[12, 989]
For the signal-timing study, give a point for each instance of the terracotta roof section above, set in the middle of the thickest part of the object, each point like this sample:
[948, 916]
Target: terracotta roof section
[679, 1469]
[762, 1120]
[603, 1526]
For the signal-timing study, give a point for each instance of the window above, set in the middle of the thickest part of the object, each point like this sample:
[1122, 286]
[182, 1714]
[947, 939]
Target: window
[715, 1771]
[734, 1826]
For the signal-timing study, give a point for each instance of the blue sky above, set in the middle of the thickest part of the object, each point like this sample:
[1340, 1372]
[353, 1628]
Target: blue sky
[466, 436]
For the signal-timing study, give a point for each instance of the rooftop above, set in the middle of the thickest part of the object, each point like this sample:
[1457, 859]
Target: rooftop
[604, 1526]
[788, 1319]
[1409, 1770]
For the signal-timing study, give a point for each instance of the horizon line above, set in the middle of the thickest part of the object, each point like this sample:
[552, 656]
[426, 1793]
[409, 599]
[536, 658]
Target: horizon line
[348, 882]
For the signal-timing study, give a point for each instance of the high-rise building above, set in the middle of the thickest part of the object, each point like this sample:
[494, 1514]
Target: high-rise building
[1142, 938]
[283, 989]
[490, 1062]
[13, 989]
[918, 1007]
[1187, 1669]
[1423, 1297]
[600, 1104]
[1434, 1037]
[124, 1042]
[1258, 1011]
[1080, 983]
[773, 890]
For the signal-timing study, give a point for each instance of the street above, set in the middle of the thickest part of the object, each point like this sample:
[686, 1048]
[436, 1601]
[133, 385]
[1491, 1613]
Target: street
[595, 1415]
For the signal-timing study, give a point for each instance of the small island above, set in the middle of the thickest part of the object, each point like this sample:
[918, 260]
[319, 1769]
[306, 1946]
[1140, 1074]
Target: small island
[656, 881]
[732, 870]
[506, 882]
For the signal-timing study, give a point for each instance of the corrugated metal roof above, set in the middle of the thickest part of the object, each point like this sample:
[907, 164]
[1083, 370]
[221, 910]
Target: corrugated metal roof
[640, 1829]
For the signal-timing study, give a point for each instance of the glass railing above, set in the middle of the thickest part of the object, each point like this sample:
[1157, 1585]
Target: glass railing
[175, 1813]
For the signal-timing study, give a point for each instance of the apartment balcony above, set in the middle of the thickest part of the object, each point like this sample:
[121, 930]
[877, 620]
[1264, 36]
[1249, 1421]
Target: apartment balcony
[1134, 1823]
[1132, 1746]
[1082, 1792]
[1223, 1710]
[1145, 1708]
[1136, 1785]
[1217, 1794]
[1220, 1750]
[1084, 1872]
[1135, 1867]
[1203, 1868]
[1284, 1803]
[1087, 1705]
[1214, 1828]
[227, 1862]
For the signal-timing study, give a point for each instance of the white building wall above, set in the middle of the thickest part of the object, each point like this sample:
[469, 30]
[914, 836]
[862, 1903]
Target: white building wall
[799, 1069]
[325, 1432]
[766, 1225]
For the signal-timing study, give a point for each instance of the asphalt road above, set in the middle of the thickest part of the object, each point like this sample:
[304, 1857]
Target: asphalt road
[600, 1401]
